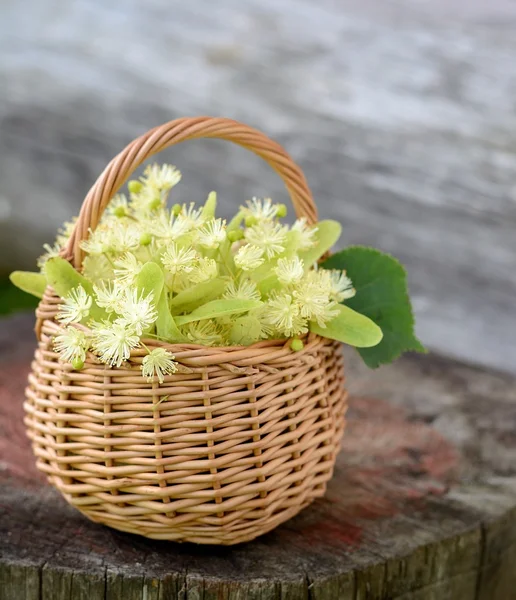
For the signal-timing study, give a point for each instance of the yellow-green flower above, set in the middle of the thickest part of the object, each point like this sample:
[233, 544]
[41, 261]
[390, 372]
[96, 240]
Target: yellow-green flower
[290, 270]
[249, 257]
[72, 344]
[113, 342]
[158, 363]
[162, 178]
[268, 236]
[284, 315]
[76, 306]
[178, 259]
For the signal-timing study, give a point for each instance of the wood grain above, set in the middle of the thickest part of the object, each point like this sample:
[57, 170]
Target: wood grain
[422, 505]
[401, 113]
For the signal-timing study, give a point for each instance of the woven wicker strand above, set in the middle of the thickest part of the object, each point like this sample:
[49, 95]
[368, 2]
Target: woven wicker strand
[239, 440]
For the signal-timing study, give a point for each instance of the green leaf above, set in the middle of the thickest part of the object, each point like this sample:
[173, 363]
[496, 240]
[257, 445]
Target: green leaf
[166, 327]
[210, 206]
[197, 295]
[382, 295]
[350, 327]
[327, 234]
[63, 278]
[218, 308]
[32, 283]
[150, 280]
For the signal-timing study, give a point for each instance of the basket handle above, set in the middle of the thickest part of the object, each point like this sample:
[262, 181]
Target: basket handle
[174, 132]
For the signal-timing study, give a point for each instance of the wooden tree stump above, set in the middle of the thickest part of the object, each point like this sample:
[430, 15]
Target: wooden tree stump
[422, 505]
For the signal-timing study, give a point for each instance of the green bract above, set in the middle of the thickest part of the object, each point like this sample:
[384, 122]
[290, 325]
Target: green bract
[32, 283]
[182, 275]
[218, 308]
[350, 327]
[197, 295]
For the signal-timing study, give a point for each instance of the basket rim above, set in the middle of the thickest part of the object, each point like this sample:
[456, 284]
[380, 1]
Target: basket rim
[199, 355]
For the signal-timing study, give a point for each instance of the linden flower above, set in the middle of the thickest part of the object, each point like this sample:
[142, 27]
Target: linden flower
[50, 252]
[113, 342]
[127, 269]
[289, 270]
[72, 344]
[158, 363]
[313, 296]
[283, 313]
[123, 237]
[76, 306]
[212, 233]
[97, 268]
[168, 226]
[261, 210]
[138, 311]
[205, 269]
[341, 287]
[145, 201]
[304, 235]
[65, 232]
[108, 295]
[191, 216]
[204, 332]
[249, 257]
[162, 177]
[245, 289]
[118, 206]
[268, 236]
[97, 242]
[179, 260]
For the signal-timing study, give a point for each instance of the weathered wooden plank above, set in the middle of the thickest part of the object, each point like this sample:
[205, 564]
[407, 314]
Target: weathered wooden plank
[402, 114]
[19, 579]
[422, 505]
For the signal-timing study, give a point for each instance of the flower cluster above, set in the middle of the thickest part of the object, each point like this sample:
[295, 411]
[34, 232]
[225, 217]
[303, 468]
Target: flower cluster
[212, 282]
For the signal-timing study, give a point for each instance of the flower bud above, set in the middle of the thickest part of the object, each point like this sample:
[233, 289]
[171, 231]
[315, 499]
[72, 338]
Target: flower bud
[155, 204]
[250, 220]
[281, 211]
[235, 235]
[296, 345]
[120, 211]
[176, 209]
[145, 239]
[77, 364]
[134, 186]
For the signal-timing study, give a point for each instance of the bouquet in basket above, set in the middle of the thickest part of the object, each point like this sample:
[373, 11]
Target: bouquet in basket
[180, 274]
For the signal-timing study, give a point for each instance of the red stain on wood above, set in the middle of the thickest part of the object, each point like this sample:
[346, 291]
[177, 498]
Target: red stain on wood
[16, 458]
[387, 464]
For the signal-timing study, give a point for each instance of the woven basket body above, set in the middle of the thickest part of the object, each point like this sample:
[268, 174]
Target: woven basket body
[237, 441]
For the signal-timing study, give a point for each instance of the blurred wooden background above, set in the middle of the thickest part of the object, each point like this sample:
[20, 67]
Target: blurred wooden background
[402, 113]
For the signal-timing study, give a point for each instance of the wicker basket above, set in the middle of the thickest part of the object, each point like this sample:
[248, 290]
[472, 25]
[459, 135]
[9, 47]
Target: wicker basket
[239, 441]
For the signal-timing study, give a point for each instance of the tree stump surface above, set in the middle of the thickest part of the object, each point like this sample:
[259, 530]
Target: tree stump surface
[422, 505]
